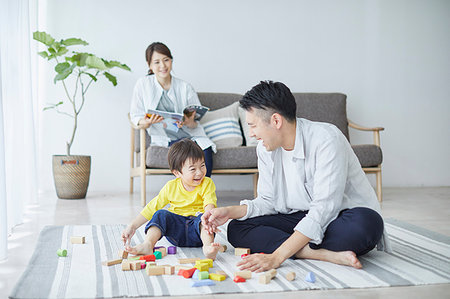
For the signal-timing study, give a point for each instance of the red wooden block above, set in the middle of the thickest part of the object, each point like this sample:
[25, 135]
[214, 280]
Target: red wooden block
[245, 254]
[148, 258]
[237, 278]
[187, 273]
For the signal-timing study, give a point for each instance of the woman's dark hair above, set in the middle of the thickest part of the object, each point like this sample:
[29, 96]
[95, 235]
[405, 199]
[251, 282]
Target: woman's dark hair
[156, 47]
[181, 151]
[271, 96]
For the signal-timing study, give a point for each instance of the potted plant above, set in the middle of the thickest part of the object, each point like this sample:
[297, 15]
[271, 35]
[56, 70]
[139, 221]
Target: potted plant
[71, 172]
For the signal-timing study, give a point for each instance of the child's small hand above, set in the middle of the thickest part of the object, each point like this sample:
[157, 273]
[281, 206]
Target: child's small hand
[208, 226]
[127, 234]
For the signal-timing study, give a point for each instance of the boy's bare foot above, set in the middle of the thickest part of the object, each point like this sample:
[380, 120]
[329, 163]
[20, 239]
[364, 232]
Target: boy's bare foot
[144, 248]
[210, 251]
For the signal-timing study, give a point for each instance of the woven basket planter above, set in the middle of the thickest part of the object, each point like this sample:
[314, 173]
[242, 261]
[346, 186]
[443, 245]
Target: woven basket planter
[71, 176]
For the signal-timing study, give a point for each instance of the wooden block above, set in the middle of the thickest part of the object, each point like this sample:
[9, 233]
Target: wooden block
[272, 273]
[157, 270]
[202, 283]
[123, 254]
[77, 240]
[163, 251]
[135, 265]
[202, 267]
[208, 261]
[188, 261]
[112, 262]
[125, 265]
[244, 274]
[264, 278]
[157, 254]
[151, 264]
[290, 276]
[220, 272]
[240, 251]
[181, 267]
[239, 279]
[187, 273]
[223, 248]
[218, 277]
[169, 270]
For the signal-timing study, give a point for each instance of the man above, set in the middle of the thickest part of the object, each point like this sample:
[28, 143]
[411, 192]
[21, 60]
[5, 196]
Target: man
[314, 200]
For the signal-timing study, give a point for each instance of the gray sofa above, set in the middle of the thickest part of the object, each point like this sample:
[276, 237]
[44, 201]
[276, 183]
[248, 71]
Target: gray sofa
[325, 107]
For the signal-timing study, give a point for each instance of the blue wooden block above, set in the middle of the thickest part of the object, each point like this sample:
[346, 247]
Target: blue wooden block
[310, 277]
[195, 275]
[202, 283]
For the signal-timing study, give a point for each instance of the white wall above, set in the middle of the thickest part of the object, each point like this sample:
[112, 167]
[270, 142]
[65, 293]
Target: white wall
[390, 57]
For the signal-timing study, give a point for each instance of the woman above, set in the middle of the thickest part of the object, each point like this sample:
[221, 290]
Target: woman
[162, 91]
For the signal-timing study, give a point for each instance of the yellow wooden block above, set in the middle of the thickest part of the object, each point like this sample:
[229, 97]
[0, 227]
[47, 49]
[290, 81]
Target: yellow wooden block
[202, 267]
[209, 261]
[217, 277]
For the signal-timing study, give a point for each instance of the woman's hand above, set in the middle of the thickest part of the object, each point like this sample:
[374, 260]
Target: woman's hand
[189, 120]
[260, 262]
[150, 119]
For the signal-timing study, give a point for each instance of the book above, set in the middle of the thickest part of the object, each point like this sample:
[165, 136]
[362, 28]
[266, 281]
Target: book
[170, 118]
[188, 110]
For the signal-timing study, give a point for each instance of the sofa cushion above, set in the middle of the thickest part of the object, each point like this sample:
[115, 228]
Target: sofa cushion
[249, 141]
[324, 107]
[222, 126]
[369, 155]
[236, 157]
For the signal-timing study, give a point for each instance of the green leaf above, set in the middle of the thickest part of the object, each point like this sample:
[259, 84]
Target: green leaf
[62, 51]
[111, 78]
[74, 41]
[90, 75]
[52, 106]
[65, 73]
[113, 63]
[43, 54]
[52, 51]
[79, 58]
[61, 67]
[44, 38]
[95, 63]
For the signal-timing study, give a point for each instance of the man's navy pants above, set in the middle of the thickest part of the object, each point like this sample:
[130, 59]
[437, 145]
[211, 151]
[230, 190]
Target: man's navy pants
[357, 229]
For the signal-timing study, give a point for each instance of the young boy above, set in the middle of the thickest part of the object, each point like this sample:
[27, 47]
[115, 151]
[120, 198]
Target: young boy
[189, 195]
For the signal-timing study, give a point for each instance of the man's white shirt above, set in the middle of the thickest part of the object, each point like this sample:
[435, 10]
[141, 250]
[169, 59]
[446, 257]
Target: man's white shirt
[321, 175]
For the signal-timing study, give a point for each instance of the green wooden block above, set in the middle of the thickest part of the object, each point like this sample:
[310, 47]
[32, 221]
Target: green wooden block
[158, 255]
[203, 275]
[61, 252]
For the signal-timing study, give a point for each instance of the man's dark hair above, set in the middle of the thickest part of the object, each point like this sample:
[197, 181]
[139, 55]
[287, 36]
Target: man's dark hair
[274, 97]
[181, 151]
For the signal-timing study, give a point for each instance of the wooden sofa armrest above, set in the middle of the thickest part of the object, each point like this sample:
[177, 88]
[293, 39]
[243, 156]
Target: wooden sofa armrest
[376, 131]
[362, 128]
[133, 125]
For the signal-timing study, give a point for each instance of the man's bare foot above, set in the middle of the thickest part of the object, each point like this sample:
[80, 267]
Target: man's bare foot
[144, 248]
[346, 258]
[210, 251]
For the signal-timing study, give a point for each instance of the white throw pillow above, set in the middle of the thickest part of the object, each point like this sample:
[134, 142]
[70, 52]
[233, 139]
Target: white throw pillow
[249, 141]
[222, 126]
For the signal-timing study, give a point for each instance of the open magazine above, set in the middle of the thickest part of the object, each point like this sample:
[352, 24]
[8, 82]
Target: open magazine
[171, 117]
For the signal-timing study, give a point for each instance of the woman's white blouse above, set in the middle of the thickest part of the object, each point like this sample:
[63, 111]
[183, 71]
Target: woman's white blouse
[147, 94]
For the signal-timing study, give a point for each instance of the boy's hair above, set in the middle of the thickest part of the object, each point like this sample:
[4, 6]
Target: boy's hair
[272, 97]
[181, 151]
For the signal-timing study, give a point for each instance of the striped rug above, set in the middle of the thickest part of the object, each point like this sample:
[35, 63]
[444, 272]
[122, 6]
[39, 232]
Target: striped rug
[419, 257]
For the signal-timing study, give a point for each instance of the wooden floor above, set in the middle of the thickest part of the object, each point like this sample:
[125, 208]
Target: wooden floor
[425, 207]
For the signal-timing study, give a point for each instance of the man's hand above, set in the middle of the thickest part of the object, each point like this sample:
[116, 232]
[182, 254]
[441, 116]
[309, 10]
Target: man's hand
[258, 262]
[214, 218]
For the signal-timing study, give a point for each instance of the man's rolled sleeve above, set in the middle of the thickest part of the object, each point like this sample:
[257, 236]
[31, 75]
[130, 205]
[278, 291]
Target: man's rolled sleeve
[311, 229]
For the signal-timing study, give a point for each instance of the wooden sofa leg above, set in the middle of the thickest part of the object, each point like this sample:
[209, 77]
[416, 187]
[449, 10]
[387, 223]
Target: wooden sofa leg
[379, 193]
[131, 185]
[255, 185]
[143, 189]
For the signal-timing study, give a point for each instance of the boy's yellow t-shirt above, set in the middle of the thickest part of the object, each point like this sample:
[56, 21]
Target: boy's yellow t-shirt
[182, 202]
